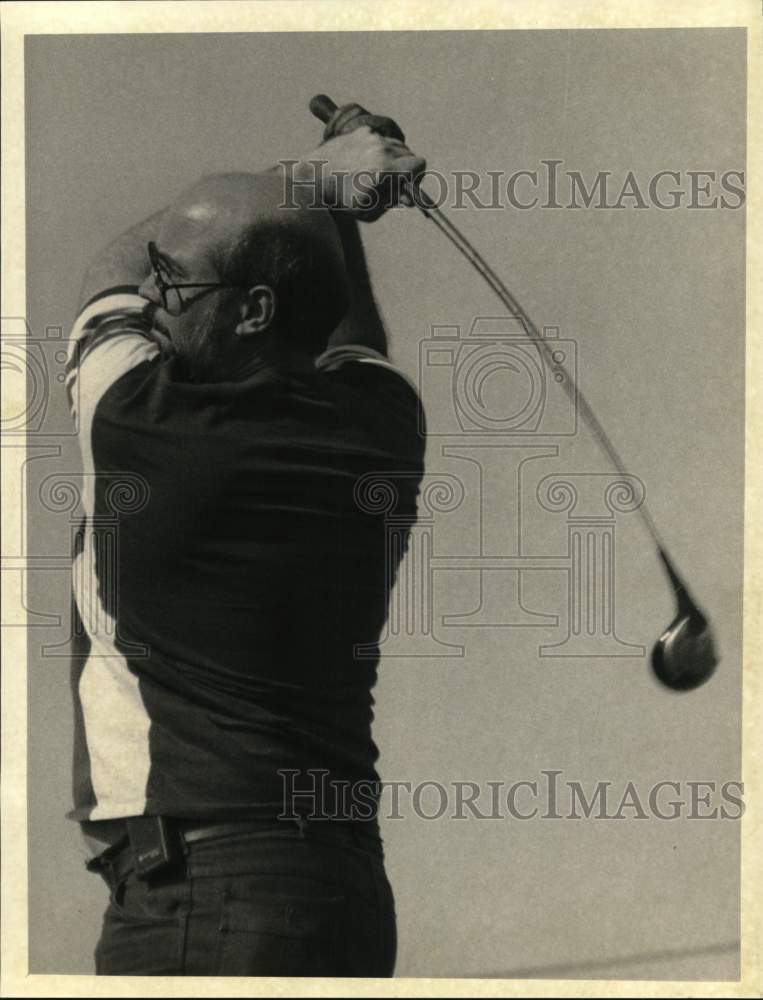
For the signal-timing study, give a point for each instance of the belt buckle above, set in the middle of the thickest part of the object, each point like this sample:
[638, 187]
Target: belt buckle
[154, 843]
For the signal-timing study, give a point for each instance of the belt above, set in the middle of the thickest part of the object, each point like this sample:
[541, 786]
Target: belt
[346, 829]
[192, 833]
[117, 861]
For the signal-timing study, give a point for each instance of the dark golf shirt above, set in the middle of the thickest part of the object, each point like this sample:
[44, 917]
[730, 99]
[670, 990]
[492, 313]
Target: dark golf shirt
[229, 565]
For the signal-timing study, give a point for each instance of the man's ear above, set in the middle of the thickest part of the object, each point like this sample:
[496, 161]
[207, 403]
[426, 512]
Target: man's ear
[258, 311]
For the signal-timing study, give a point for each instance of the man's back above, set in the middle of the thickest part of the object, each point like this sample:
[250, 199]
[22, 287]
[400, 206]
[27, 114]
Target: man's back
[215, 675]
[242, 586]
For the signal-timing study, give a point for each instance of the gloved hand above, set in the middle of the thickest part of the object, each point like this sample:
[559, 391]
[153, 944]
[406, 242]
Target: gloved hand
[368, 145]
[351, 116]
[371, 172]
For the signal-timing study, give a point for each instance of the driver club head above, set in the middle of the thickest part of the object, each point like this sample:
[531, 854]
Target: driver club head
[684, 656]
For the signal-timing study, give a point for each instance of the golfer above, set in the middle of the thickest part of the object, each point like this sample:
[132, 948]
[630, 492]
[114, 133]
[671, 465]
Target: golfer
[229, 365]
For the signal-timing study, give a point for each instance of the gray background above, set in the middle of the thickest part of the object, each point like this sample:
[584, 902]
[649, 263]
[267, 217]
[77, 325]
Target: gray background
[116, 125]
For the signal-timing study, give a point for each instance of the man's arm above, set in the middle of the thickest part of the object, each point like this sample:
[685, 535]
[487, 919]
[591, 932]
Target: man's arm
[339, 174]
[362, 323]
[362, 153]
[123, 262]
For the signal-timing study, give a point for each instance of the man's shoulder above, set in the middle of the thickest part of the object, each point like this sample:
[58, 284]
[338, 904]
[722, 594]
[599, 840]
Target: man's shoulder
[110, 337]
[378, 401]
[356, 360]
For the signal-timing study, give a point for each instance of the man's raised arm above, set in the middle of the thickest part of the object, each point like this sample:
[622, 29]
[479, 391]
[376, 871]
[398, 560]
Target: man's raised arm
[123, 263]
[362, 323]
[359, 174]
[356, 175]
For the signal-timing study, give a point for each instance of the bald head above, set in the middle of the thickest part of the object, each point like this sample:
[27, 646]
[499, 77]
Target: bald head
[220, 207]
[238, 226]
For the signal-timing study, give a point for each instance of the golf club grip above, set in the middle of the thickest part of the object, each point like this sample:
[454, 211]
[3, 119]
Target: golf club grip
[322, 107]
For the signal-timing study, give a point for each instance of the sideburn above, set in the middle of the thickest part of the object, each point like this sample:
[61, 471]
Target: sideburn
[205, 346]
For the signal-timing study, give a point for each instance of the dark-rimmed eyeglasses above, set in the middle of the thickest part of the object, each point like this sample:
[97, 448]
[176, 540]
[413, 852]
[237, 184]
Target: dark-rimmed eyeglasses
[172, 301]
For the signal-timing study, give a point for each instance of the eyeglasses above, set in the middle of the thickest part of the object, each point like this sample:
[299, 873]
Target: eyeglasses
[172, 301]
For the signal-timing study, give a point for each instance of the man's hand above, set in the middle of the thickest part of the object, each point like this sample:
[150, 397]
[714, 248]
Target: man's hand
[362, 172]
[351, 116]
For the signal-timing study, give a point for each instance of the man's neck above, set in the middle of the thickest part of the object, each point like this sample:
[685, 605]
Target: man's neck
[274, 355]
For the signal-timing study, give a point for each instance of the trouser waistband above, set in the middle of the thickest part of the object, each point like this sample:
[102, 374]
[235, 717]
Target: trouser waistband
[119, 859]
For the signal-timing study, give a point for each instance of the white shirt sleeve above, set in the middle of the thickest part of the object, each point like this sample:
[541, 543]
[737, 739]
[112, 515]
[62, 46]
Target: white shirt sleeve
[109, 337]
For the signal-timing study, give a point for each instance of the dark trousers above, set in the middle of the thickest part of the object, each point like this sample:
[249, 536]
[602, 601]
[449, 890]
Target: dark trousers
[283, 902]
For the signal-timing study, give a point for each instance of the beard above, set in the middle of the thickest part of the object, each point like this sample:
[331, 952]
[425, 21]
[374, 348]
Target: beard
[201, 348]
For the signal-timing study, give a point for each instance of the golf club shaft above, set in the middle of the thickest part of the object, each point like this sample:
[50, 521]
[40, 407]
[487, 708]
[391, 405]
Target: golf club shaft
[685, 602]
[457, 238]
[323, 108]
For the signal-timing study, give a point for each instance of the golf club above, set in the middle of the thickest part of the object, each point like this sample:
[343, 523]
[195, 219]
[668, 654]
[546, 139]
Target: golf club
[684, 656]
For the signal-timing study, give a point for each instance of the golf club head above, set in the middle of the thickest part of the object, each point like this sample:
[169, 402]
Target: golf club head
[684, 656]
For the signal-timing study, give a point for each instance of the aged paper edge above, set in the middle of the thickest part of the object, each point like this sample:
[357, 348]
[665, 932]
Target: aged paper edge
[19, 19]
